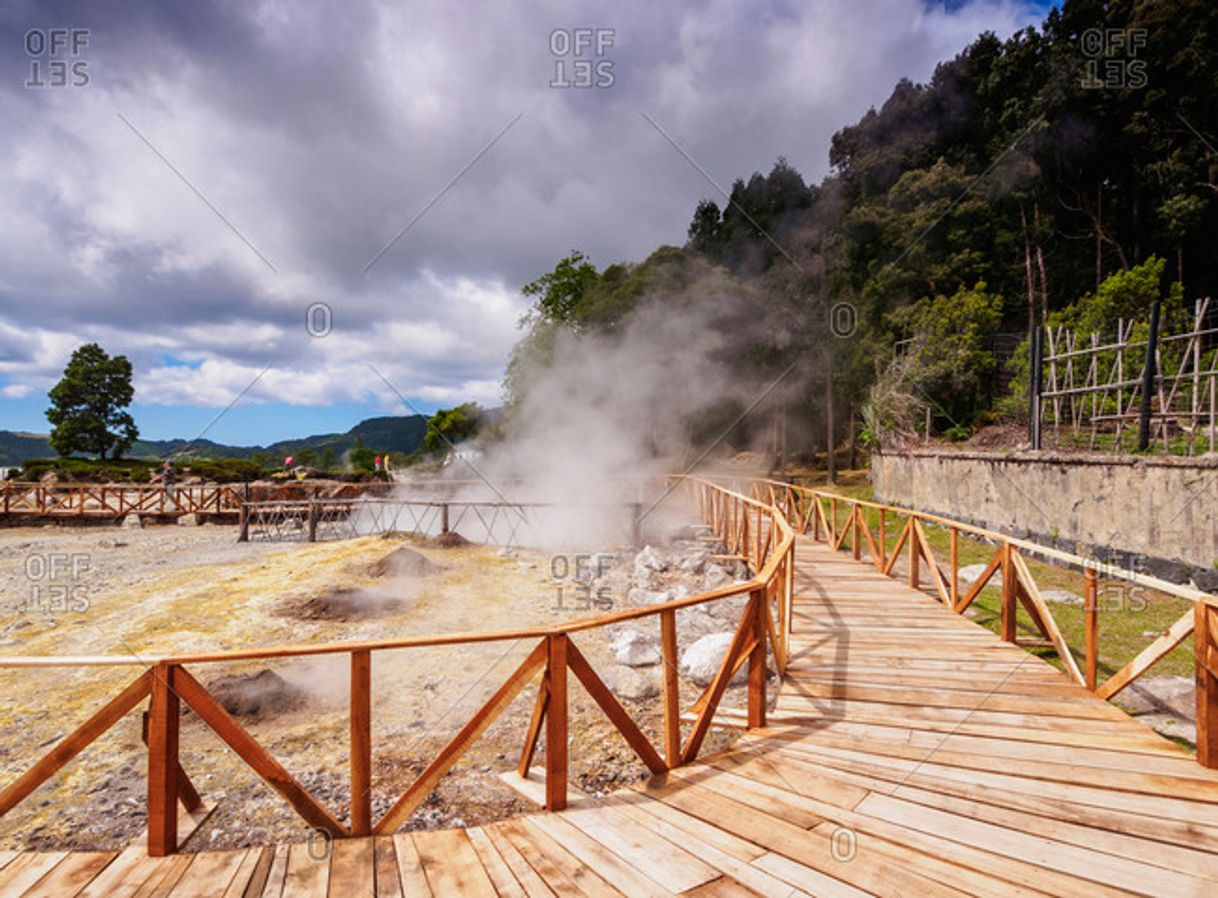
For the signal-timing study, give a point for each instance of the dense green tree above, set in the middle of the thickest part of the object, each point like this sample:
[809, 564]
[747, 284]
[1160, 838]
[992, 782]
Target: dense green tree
[88, 405]
[449, 426]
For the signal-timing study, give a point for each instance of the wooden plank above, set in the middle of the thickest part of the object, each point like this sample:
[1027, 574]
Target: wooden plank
[257, 757]
[452, 865]
[164, 714]
[556, 724]
[21, 873]
[1206, 672]
[534, 886]
[981, 582]
[451, 753]
[614, 711]
[671, 688]
[719, 684]
[73, 744]
[388, 880]
[671, 866]
[123, 875]
[560, 870]
[410, 868]
[1176, 634]
[255, 884]
[626, 877]
[496, 868]
[71, 875]
[361, 743]
[209, 874]
[936, 575]
[353, 868]
[277, 875]
[533, 733]
[308, 872]
[1033, 594]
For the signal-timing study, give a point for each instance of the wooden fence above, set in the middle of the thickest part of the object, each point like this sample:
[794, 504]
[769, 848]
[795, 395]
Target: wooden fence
[843, 523]
[1093, 385]
[757, 532]
[115, 500]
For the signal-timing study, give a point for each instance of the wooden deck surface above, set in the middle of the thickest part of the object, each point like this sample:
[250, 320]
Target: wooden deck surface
[912, 753]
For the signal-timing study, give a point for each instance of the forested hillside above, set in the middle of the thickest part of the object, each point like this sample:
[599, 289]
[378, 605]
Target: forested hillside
[955, 217]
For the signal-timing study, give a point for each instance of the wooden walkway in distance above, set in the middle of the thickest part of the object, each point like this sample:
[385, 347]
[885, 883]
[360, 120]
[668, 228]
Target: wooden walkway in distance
[911, 753]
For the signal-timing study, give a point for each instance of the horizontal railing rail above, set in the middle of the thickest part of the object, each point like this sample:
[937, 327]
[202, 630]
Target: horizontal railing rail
[114, 500]
[496, 522]
[758, 534]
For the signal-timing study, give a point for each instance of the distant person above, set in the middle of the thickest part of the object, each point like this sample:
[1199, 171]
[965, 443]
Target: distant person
[287, 463]
[377, 463]
[167, 480]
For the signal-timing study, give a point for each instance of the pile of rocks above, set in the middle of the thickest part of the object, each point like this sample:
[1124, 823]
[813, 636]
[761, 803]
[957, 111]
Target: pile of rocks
[653, 576]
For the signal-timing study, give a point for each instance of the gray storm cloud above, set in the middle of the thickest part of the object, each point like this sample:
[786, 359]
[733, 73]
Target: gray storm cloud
[320, 131]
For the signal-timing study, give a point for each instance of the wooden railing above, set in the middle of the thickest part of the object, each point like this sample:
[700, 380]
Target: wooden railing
[820, 513]
[486, 521]
[758, 533]
[115, 500]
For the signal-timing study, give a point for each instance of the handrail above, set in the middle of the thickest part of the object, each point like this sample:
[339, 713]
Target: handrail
[1018, 587]
[748, 527]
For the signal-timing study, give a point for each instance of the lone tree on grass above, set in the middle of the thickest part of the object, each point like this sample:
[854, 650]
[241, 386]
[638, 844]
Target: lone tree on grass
[87, 405]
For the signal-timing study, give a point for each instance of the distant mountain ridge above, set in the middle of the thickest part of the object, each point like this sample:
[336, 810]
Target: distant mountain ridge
[390, 433]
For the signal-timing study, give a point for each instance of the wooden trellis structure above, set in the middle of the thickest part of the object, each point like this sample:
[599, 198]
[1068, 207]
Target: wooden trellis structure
[1093, 384]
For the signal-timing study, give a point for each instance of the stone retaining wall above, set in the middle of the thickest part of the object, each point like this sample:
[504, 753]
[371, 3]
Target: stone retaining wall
[1158, 514]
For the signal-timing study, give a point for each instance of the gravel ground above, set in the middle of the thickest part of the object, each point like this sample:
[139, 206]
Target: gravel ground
[168, 589]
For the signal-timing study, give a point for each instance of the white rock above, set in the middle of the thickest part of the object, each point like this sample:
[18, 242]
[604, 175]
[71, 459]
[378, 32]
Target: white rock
[713, 576]
[188, 520]
[630, 684]
[506, 552]
[970, 572]
[133, 522]
[1061, 596]
[700, 662]
[649, 559]
[634, 649]
[637, 597]
[694, 562]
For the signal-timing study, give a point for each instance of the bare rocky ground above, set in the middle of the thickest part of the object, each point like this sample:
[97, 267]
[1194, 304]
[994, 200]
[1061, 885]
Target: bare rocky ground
[171, 589]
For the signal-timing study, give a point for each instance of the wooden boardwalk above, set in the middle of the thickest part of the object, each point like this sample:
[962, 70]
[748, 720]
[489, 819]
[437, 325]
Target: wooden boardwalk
[912, 752]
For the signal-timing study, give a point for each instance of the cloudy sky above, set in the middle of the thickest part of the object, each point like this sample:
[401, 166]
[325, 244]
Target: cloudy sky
[214, 170]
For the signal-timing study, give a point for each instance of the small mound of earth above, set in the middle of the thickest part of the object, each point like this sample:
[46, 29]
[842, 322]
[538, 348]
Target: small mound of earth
[346, 603]
[403, 562]
[256, 695]
[450, 540]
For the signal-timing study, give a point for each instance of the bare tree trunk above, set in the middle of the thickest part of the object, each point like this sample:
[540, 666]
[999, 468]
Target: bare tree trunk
[1040, 264]
[830, 461]
[854, 443]
[1027, 268]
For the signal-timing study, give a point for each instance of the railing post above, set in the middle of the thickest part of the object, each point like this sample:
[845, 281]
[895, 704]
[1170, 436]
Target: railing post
[856, 545]
[444, 517]
[832, 522]
[243, 519]
[914, 572]
[757, 660]
[361, 743]
[556, 724]
[882, 561]
[1008, 594]
[816, 517]
[1206, 634]
[163, 720]
[1092, 626]
[955, 559]
[671, 688]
